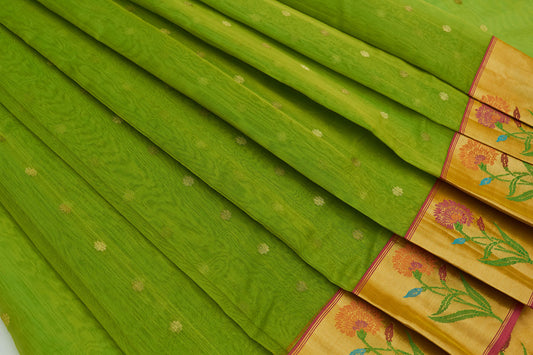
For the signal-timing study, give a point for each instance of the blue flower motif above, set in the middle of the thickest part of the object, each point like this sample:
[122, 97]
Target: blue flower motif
[501, 138]
[485, 181]
[358, 351]
[459, 241]
[414, 292]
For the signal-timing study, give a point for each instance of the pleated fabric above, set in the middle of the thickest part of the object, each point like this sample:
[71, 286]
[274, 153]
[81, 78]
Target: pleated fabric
[205, 176]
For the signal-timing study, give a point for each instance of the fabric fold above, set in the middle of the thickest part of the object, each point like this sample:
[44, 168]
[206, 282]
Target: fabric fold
[422, 152]
[133, 195]
[37, 307]
[141, 299]
[126, 225]
[273, 214]
[440, 43]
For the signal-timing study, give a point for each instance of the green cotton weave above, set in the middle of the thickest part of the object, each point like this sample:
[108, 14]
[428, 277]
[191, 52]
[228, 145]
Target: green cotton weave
[510, 21]
[226, 246]
[339, 173]
[40, 311]
[142, 300]
[292, 215]
[351, 57]
[418, 32]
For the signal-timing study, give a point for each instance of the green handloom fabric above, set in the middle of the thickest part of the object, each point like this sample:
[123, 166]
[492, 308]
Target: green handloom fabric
[418, 32]
[339, 171]
[116, 272]
[419, 141]
[293, 215]
[310, 240]
[39, 309]
[173, 230]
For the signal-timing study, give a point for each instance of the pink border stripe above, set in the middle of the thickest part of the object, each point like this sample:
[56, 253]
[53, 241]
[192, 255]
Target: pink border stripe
[375, 264]
[449, 156]
[316, 322]
[422, 211]
[505, 330]
[464, 121]
[530, 302]
[482, 66]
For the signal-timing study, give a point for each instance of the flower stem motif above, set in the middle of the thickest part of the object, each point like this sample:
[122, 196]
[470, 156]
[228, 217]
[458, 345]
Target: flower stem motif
[473, 303]
[513, 178]
[521, 134]
[475, 155]
[369, 349]
[504, 244]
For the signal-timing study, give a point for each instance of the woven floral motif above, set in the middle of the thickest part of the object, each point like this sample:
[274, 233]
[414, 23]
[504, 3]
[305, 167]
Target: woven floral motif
[358, 316]
[453, 215]
[477, 156]
[417, 263]
[488, 116]
[411, 258]
[448, 213]
[473, 153]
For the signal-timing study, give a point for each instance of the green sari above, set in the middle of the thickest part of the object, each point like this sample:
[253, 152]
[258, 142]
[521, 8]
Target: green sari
[197, 216]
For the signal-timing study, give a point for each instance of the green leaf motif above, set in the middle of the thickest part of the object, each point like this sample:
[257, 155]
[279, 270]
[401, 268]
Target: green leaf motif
[503, 262]
[459, 315]
[446, 302]
[523, 197]
[476, 296]
[527, 146]
[488, 249]
[416, 349]
[529, 167]
[511, 242]
[512, 186]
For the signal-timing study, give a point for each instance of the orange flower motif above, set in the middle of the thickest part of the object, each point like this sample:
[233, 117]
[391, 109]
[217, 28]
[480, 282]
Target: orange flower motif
[358, 316]
[410, 258]
[474, 153]
[496, 102]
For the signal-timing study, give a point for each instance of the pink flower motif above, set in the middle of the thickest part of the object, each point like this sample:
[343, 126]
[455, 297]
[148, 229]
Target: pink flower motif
[447, 213]
[505, 160]
[496, 102]
[474, 153]
[411, 258]
[389, 332]
[443, 272]
[488, 116]
[480, 224]
[358, 316]
[516, 114]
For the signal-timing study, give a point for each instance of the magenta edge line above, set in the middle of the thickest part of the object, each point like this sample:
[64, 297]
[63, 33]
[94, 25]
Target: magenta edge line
[317, 318]
[374, 264]
[449, 155]
[482, 65]
[421, 211]
[507, 329]
[464, 120]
